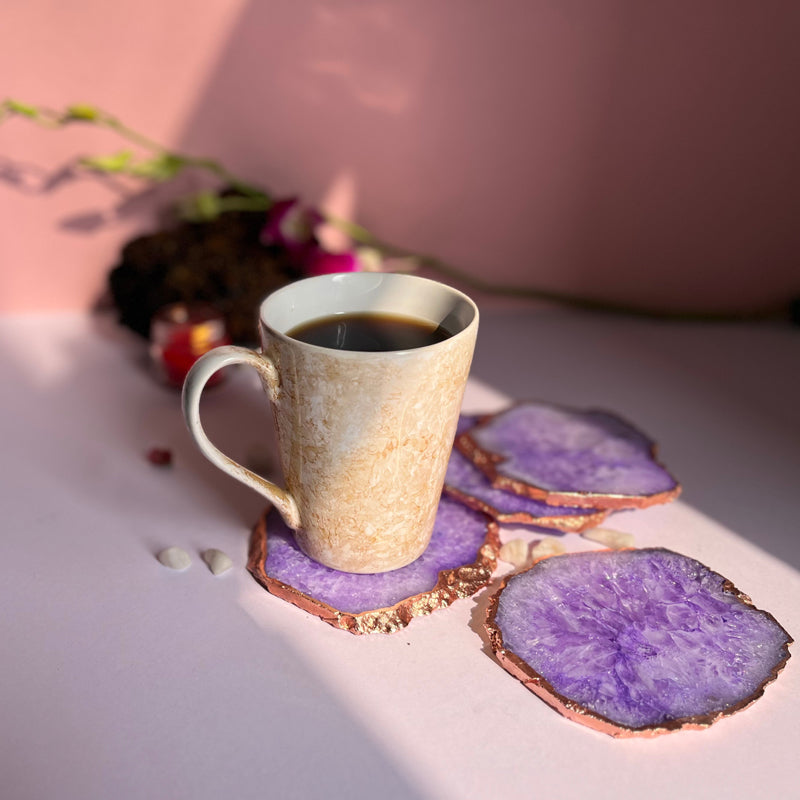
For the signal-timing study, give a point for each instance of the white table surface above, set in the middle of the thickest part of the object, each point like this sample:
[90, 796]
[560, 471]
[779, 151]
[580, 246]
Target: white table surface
[122, 679]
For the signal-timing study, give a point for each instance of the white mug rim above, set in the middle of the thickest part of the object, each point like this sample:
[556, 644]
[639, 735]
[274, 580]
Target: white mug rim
[375, 278]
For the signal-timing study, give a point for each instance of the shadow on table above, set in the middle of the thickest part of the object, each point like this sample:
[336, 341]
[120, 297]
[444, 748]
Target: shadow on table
[126, 675]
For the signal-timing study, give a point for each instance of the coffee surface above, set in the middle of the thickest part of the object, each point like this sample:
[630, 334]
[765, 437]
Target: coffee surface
[369, 332]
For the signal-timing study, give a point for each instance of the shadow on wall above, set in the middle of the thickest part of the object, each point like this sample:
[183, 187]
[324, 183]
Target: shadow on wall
[640, 152]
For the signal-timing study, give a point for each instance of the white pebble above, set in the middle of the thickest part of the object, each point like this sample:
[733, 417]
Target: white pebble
[174, 558]
[514, 552]
[217, 561]
[549, 546]
[616, 540]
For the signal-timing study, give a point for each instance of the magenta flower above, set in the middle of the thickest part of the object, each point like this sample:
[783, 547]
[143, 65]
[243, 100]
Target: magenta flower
[290, 224]
[320, 262]
[293, 227]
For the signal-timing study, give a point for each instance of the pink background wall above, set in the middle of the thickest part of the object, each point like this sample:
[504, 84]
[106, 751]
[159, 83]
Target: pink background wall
[643, 152]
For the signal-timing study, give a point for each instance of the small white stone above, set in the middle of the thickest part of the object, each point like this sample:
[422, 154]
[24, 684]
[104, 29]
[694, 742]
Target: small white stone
[549, 546]
[174, 558]
[615, 540]
[514, 552]
[217, 561]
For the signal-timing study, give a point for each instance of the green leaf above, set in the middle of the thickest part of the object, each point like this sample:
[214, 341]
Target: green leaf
[200, 207]
[242, 203]
[83, 111]
[116, 162]
[162, 167]
[22, 108]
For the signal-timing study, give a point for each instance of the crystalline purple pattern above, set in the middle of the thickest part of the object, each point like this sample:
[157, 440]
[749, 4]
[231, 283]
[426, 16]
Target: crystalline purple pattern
[464, 476]
[640, 637]
[561, 450]
[458, 535]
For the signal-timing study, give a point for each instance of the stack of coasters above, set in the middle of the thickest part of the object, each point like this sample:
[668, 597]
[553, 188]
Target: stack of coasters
[635, 642]
[585, 459]
[466, 482]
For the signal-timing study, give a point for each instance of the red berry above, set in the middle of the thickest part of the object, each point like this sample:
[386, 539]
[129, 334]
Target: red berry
[160, 456]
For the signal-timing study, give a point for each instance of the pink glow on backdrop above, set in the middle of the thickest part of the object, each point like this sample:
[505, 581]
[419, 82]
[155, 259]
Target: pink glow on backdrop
[640, 152]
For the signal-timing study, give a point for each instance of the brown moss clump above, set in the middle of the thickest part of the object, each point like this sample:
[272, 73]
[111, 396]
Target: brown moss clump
[221, 262]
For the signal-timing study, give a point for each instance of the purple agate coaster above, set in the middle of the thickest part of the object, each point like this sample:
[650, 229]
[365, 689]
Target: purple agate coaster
[471, 486]
[459, 561]
[589, 459]
[635, 642]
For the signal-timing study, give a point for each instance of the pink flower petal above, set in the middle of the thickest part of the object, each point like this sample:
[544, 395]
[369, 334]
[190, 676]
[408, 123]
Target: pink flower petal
[323, 263]
[290, 224]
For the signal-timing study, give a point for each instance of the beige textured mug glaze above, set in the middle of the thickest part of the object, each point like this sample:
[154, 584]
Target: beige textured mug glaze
[364, 437]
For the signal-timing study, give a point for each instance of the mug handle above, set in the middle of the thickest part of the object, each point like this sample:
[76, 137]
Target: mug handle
[193, 387]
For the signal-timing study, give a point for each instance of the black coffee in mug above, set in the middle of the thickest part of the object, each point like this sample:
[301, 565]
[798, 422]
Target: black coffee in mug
[369, 332]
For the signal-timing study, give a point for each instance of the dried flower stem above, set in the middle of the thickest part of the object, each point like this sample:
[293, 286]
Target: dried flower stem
[165, 164]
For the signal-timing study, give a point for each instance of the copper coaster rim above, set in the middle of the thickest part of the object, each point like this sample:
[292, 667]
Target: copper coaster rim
[573, 523]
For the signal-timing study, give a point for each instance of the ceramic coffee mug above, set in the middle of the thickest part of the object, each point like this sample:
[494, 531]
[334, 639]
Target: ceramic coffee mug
[364, 437]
